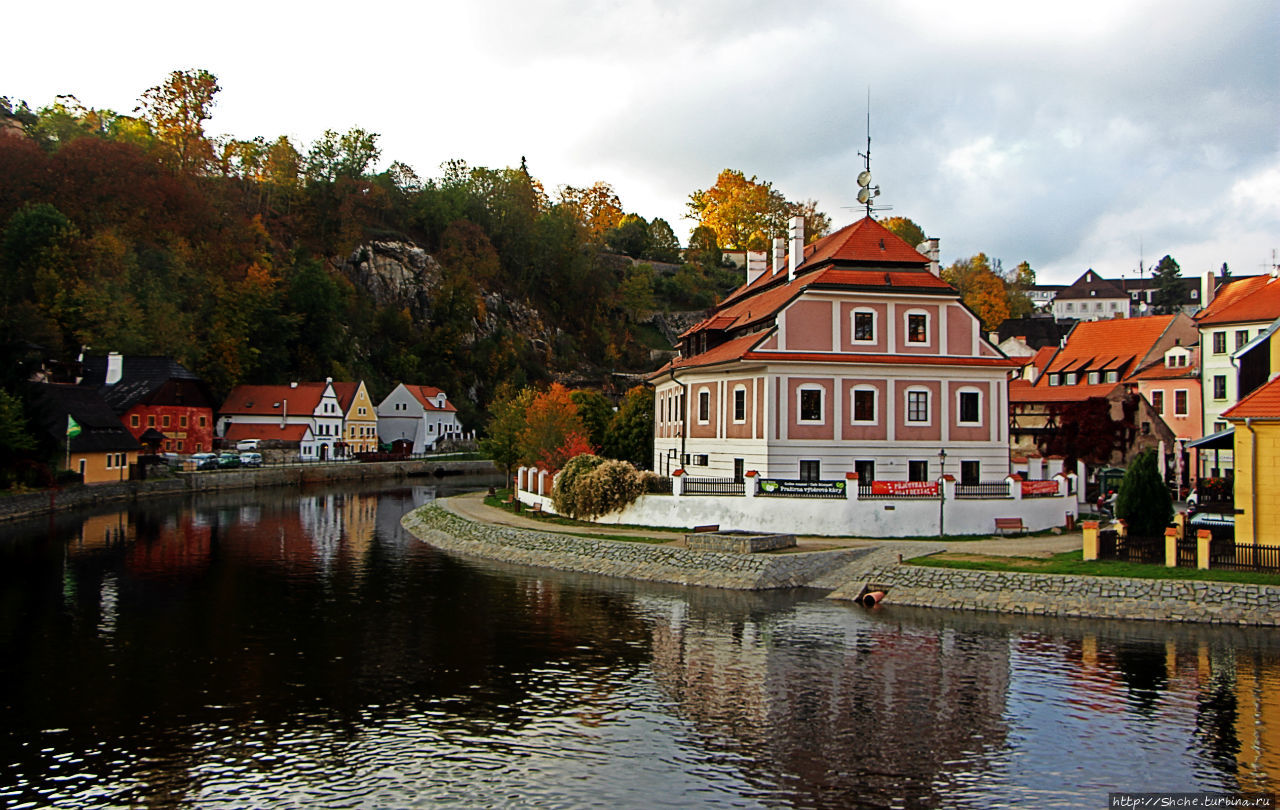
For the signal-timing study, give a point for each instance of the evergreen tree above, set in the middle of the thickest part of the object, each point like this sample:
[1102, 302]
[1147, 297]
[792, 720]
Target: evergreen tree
[1144, 500]
[1168, 278]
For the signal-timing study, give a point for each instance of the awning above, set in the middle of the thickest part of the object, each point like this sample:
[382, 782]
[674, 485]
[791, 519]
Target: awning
[1222, 440]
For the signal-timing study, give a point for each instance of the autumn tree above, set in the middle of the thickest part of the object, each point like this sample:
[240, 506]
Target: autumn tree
[816, 223]
[597, 208]
[736, 206]
[908, 230]
[553, 432]
[980, 288]
[177, 110]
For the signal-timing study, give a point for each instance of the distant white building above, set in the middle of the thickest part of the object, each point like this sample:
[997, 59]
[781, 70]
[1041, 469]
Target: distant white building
[420, 414]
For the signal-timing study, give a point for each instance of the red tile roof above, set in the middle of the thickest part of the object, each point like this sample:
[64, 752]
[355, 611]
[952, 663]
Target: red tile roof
[268, 432]
[864, 242]
[269, 399]
[1263, 403]
[1023, 391]
[424, 395]
[346, 392]
[1109, 344]
[1246, 300]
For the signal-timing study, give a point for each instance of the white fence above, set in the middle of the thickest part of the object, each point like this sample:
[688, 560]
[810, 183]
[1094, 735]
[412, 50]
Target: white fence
[786, 507]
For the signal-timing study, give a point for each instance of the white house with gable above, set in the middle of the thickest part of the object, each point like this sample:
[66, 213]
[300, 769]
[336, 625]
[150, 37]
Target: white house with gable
[420, 414]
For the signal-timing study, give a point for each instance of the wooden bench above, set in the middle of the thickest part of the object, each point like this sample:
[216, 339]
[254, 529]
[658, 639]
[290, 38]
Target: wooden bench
[1013, 524]
[711, 527]
[536, 509]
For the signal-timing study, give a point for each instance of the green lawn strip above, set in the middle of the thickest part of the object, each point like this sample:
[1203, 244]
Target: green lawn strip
[1069, 562]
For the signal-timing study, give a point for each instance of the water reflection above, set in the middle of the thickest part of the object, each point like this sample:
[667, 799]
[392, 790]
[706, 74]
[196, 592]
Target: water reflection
[301, 650]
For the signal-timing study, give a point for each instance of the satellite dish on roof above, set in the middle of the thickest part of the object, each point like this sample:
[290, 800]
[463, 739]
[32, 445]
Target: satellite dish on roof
[864, 195]
[864, 179]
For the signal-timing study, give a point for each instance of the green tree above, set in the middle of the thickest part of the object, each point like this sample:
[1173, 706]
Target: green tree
[910, 232]
[595, 411]
[350, 155]
[630, 433]
[816, 223]
[662, 245]
[1018, 286]
[630, 237]
[1144, 501]
[501, 441]
[1168, 295]
[177, 110]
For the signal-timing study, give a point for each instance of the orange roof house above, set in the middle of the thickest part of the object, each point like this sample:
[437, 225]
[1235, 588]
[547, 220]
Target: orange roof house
[313, 404]
[420, 415]
[1084, 404]
[1256, 423]
[852, 354]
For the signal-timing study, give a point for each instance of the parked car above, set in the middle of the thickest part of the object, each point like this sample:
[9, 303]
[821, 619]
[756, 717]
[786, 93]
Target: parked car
[227, 460]
[247, 444]
[251, 459]
[204, 461]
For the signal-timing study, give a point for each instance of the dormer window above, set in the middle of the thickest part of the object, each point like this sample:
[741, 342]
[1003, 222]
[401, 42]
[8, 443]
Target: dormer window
[1093, 378]
[1055, 379]
[1113, 376]
[1071, 378]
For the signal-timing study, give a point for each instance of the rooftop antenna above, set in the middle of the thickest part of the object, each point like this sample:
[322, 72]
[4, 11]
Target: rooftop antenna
[867, 192]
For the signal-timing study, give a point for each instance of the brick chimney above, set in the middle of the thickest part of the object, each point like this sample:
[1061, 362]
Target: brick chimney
[1208, 289]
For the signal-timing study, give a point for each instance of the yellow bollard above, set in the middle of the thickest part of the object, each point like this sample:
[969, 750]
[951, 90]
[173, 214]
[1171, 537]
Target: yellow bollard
[1202, 549]
[1089, 528]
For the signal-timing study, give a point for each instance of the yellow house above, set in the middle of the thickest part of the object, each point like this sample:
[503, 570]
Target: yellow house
[92, 440]
[360, 419]
[1256, 424]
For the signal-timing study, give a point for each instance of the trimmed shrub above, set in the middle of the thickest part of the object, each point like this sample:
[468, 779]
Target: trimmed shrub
[1144, 501]
[590, 486]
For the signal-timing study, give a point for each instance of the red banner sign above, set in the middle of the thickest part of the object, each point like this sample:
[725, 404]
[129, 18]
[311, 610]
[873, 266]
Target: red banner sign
[904, 488]
[1039, 488]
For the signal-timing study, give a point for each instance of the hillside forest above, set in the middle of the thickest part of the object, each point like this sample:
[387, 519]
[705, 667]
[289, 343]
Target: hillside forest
[139, 233]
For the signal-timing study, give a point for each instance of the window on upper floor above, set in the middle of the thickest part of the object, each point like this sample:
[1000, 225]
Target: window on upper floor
[864, 326]
[917, 405]
[970, 407]
[810, 404]
[1219, 386]
[1219, 342]
[740, 404]
[134, 421]
[917, 327]
[1070, 307]
[1094, 378]
[1180, 402]
[1072, 377]
[704, 406]
[1055, 379]
[1113, 376]
[864, 405]
[1157, 402]
[1242, 337]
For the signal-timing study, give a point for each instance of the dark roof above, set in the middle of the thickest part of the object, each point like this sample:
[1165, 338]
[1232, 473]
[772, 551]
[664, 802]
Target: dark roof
[1092, 285]
[101, 431]
[141, 376]
[1038, 332]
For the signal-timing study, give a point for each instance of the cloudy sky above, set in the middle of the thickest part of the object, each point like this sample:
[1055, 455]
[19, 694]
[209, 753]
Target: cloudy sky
[1091, 134]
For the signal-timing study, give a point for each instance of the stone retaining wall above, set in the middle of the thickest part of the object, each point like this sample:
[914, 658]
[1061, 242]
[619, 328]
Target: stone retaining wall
[1077, 596]
[38, 504]
[644, 561]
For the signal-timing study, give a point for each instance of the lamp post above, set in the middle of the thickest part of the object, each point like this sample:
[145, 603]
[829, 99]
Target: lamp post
[942, 492]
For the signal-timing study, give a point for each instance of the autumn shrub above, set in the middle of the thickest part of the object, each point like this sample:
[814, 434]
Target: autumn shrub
[590, 486]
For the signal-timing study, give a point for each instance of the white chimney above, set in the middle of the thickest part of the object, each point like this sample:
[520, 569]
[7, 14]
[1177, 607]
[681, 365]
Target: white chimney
[293, 384]
[1207, 290]
[797, 245]
[757, 264]
[779, 253]
[929, 247]
[115, 368]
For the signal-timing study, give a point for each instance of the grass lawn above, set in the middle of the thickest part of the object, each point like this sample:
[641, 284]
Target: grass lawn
[1069, 562]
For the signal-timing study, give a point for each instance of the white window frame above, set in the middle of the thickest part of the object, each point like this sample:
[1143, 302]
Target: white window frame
[822, 404]
[906, 328]
[853, 325]
[875, 405]
[739, 390]
[1186, 401]
[704, 392]
[928, 406]
[960, 411]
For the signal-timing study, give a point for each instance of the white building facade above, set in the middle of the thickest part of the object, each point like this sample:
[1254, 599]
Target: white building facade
[419, 414]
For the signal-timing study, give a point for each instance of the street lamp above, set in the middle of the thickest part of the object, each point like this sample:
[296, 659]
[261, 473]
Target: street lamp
[942, 492]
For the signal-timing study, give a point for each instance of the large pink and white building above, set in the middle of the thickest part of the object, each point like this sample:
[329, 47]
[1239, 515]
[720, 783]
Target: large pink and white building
[849, 355]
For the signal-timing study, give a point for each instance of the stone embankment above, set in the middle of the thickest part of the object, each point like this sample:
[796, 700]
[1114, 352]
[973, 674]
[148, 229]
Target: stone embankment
[1077, 596]
[848, 573]
[38, 504]
[633, 560]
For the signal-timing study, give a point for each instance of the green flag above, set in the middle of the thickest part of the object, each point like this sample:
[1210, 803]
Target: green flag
[73, 427]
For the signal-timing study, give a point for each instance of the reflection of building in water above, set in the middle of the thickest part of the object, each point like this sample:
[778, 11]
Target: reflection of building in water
[883, 712]
[102, 531]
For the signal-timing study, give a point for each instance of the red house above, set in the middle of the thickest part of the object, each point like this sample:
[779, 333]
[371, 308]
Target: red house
[167, 408]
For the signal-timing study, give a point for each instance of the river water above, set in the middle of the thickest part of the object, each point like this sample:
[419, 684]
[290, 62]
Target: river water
[299, 649]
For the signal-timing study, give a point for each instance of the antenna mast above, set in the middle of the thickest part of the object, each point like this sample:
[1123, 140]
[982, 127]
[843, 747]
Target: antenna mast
[867, 192]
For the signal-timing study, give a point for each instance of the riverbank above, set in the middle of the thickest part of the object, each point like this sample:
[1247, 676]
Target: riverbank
[41, 504]
[847, 570]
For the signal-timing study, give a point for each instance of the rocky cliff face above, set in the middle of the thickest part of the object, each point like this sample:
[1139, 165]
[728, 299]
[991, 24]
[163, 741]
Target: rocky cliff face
[404, 276]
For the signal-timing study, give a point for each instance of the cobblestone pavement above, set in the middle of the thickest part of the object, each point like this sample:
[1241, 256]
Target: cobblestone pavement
[473, 507]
